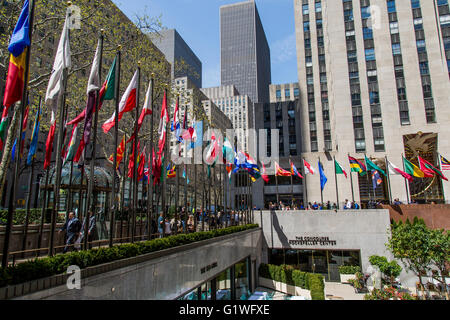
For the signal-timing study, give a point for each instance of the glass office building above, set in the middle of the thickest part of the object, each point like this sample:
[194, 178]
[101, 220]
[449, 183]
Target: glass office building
[245, 54]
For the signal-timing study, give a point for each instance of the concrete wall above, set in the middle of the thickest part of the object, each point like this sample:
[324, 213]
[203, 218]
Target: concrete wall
[166, 274]
[436, 216]
[364, 230]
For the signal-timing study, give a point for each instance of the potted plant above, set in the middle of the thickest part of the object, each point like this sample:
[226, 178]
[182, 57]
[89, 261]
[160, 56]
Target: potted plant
[348, 272]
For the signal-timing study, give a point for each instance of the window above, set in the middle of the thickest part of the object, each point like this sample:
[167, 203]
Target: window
[319, 23]
[418, 24]
[370, 54]
[306, 26]
[415, 4]
[367, 33]
[391, 6]
[296, 92]
[305, 9]
[394, 27]
[424, 68]
[365, 12]
[421, 46]
[278, 94]
[351, 56]
[287, 93]
[396, 49]
[318, 7]
[348, 15]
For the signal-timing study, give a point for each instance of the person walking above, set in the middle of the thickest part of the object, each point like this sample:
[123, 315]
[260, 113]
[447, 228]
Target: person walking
[72, 228]
[92, 228]
[161, 224]
[168, 229]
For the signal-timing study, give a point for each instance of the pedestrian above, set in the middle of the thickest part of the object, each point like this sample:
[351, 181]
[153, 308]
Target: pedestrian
[190, 224]
[92, 229]
[161, 224]
[72, 228]
[168, 229]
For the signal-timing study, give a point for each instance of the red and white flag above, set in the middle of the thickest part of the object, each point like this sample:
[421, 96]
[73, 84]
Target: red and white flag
[308, 168]
[393, 170]
[162, 130]
[212, 153]
[127, 103]
[146, 110]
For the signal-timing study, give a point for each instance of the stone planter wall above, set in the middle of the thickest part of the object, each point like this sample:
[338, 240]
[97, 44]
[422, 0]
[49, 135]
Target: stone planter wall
[285, 288]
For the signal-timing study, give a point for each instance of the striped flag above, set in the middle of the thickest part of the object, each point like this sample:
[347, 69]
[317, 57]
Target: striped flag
[445, 164]
[71, 151]
[308, 168]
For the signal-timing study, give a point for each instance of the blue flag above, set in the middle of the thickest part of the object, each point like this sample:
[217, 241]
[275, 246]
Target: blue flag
[323, 178]
[376, 179]
[34, 138]
[20, 38]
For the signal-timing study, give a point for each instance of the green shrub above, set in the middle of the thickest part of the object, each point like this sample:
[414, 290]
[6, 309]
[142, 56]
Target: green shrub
[45, 267]
[349, 269]
[287, 274]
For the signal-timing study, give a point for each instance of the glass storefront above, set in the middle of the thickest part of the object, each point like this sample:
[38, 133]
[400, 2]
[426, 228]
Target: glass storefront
[225, 286]
[325, 262]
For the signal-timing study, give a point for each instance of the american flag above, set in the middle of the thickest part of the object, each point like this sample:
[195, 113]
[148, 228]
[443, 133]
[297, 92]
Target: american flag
[445, 164]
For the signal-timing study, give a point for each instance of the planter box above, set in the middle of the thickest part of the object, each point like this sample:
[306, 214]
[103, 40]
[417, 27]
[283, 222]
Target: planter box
[346, 277]
[285, 288]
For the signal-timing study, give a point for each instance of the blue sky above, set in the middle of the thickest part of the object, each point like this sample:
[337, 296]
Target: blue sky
[197, 21]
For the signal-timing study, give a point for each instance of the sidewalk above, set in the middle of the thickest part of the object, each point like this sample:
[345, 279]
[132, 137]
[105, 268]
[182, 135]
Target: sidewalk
[341, 291]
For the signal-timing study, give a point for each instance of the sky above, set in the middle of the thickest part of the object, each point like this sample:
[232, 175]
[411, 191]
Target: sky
[197, 21]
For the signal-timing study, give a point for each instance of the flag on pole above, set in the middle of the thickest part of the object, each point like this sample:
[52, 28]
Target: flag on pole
[376, 179]
[171, 172]
[141, 165]
[264, 176]
[164, 120]
[229, 168]
[357, 166]
[49, 146]
[34, 137]
[280, 172]
[339, 169]
[120, 152]
[445, 164]
[126, 104]
[373, 167]
[71, 148]
[175, 126]
[308, 168]
[62, 61]
[3, 128]
[430, 169]
[131, 162]
[412, 169]
[294, 171]
[213, 151]
[24, 132]
[18, 47]
[323, 178]
[227, 151]
[393, 170]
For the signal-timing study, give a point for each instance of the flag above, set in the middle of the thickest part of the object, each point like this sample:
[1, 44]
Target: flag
[323, 178]
[229, 168]
[430, 169]
[49, 146]
[18, 47]
[279, 172]
[164, 120]
[120, 152]
[71, 148]
[264, 176]
[196, 135]
[308, 167]
[141, 165]
[62, 61]
[339, 169]
[131, 162]
[212, 153]
[34, 137]
[227, 151]
[373, 167]
[176, 124]
[106, 93]
[171, 172]
[357, 166]
[412, 169]
[146, 110]
[445, 164]
[185, 175]
[126, 104]
[294, 171]
[376, 179]
[3, 128]
[24, 132]
[396, 171]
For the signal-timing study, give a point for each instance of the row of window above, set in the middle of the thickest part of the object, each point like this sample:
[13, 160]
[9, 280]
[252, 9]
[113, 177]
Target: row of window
[287, 93]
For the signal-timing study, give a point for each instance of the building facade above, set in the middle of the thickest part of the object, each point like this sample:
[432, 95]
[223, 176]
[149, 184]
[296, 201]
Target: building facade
[183, 60]
[282, 114]
[245, 53]
[374, 81]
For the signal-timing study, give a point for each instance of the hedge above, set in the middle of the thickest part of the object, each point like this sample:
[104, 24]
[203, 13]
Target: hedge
[20, 214]
[58, 264]
[287, 274]
[349, 269]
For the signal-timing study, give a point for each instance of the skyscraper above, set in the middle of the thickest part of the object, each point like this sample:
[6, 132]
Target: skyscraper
[245, 54]
[374, 81]
[183, 60]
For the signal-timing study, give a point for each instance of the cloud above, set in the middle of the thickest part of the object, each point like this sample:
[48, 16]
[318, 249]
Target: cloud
[283, 50]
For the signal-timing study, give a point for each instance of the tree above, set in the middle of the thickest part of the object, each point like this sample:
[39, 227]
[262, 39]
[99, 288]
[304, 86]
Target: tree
[390, 269]
[410, 242]
[440, 256]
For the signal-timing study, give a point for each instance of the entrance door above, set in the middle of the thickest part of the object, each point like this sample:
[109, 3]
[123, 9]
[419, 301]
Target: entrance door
[320, 264]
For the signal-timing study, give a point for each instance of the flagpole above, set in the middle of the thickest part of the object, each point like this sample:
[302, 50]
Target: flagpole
[163, 171]
[335, 179]
[150, 169]
[351, 181]
[134, 178]
[292, 183]
[122, 196]
[15, 176]
[90, 202]
[305, 191]
[368, 180]
[69, 194]
[177, 173]
[406, 183]
[440, 169]
[30, 189]
[44, 209]
[321, 191]
[114, 203]
[389, 179]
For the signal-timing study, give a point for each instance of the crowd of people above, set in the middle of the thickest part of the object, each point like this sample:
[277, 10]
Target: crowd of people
[348, 205]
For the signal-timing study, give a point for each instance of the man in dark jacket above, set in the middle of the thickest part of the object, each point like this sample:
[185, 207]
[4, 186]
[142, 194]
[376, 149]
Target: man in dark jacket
[72, 228]
[91, 228]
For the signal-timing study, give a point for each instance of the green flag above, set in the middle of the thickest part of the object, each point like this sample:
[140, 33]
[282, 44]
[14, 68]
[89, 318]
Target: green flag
[339, 169]
[372, 166]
